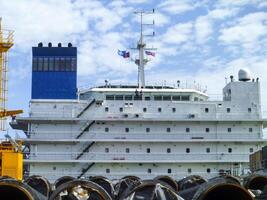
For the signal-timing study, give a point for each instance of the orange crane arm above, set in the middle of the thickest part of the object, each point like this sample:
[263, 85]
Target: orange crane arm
[10, 113]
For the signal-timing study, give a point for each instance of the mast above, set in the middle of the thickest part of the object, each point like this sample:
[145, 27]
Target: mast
[141, 61]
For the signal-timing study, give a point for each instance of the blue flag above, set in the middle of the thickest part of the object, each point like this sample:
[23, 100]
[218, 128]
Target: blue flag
[124, 54]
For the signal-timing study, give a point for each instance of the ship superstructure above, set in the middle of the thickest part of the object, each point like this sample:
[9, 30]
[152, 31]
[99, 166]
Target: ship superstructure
[141, 130]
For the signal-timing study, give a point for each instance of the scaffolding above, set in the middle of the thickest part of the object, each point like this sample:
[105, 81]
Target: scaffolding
[6, 42]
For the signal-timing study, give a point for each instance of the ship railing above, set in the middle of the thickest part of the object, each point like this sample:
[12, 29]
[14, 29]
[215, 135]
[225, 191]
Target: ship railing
[94, 157]
[39, 135]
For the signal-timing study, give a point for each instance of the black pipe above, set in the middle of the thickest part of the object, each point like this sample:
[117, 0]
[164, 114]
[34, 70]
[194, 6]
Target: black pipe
[62, 180]
[80, 188]
[15, 190]
[222, 189]
[170, 181]
[40, 184]
[105, 183]
[255, 182]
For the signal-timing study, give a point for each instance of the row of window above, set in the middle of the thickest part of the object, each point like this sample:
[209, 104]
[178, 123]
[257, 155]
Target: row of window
[169, 171]
[148, 98]
[228, 110]
[187, 130]
[54, 64]
[187, 150]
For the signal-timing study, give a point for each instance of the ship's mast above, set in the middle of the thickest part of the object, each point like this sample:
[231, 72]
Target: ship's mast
[141, 60]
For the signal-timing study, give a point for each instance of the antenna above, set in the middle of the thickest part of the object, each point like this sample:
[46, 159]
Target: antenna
[141, 61]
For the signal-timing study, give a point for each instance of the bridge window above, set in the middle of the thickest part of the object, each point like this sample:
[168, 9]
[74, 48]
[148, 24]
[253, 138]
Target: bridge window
[106, 109]
[228, 110]
[189, 170]
[168, 150]
[249, 110]
[107, 150]
[229, 150]
[144, 109]
[185, 98]
[157, 98]
[127, 150]
[126, 130]
[187, 130]
[173, 109]
[250, 130]
[208, 170]
[107, 171]
[147, 98]
[168, 130]
[149, 171]
[169, 171]
[119, 97]
[128, 97]
[206, 110]
[147, 130]
[176, 98]
[106, 129]
[166, 98]
[251, 150]
[148, 150]
[229, 130]
[159, 109]
[208, 150]
[121, 109]
[207, 130]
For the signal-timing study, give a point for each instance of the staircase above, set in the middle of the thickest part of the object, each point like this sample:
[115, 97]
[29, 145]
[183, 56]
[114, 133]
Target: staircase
[85, 150]
[85, 128]
[85, 108]
[84, 170]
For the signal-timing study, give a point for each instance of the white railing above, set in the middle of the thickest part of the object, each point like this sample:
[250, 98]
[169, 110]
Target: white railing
[141, 157]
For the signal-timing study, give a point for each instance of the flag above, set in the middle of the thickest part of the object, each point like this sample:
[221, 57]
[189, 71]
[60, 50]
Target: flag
[149, 53]
[124, 54]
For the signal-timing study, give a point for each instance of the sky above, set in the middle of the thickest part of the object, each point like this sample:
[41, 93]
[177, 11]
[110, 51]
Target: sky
[199, 42]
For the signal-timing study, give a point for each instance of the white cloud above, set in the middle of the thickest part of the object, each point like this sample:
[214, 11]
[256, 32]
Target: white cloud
[176, 6]
[178, 33]
[246, 31]
[203, 27]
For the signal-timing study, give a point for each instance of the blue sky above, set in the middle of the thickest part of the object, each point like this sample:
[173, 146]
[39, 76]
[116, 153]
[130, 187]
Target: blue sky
[203, 41]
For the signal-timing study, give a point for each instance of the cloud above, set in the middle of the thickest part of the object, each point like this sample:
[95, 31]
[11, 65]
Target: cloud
[176, 6]
[246, 31]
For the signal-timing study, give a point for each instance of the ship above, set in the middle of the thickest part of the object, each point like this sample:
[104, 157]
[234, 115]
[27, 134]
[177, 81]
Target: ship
[142, 130]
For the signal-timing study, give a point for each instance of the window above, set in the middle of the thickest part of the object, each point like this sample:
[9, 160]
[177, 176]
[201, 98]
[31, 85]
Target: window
[206, 110]
[109, 97]
[176, 98]
[169, 171]
[208, 170]
[229, 130]
[187, 150]
[159, 109]
[157, 98]
[128, 97]
[229, 150]
[119, 97]
[68, 64]
[127, 150]
[249, 110]
[207, 130]
[189, 170]
[173, 109]
[147, 130]
[147, 98]
[106, 109]
[107, 150]
[106, 129]
[149, 171]
[251, 150]
[250, 130]
[73, 64]
[56, 64]
[148, 150]
[144, 109]
[196, 99]
[126, 130]
[168, 130]
[166, 98]
[168, 150]
[208, 150]
[54, 168]
[121, 109]
[187, 130]
[62, 64]
[228, 110]
[185, 98]
[45, 64]
[34, 64]
[107, 171]
[138, 97]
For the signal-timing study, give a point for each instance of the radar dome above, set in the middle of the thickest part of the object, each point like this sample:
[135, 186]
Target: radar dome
[244, 75]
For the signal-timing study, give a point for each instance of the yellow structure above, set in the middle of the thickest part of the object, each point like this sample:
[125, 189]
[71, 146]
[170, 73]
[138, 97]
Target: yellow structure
[11, 160]
[6, 42]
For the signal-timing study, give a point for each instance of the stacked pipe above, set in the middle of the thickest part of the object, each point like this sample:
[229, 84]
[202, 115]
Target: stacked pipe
[193, 187]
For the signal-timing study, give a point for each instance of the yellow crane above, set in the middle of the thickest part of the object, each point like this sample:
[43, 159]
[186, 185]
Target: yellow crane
[11, 158]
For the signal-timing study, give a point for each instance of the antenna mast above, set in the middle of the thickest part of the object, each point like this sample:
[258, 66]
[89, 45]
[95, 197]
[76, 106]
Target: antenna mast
[141, 61]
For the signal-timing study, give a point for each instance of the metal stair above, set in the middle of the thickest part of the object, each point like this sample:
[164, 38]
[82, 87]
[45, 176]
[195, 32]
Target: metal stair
[85, 128]
[86, 107]
[85, 150]
[84, 170]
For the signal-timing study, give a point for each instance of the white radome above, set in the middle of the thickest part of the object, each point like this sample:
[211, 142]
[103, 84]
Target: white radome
[244, 75]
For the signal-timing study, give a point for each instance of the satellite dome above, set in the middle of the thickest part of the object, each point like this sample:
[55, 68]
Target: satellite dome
[244, 75]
